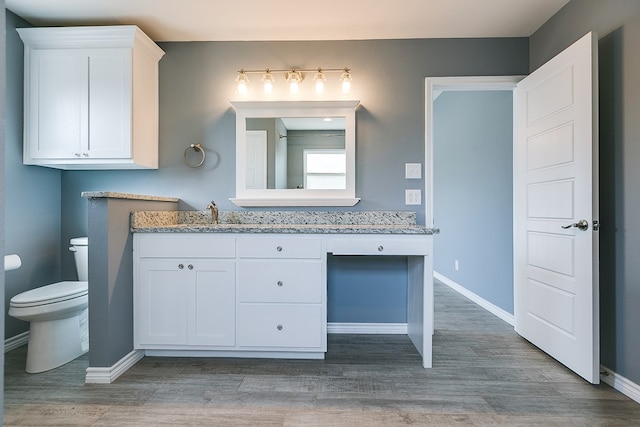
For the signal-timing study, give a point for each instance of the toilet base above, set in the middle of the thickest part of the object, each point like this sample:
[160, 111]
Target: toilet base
[56, 342]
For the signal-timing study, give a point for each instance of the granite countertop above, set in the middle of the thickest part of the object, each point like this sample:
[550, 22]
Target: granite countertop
[126, 196]
[284, 222]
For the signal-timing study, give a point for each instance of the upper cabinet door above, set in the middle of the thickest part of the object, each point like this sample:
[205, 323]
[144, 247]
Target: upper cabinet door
[57, 104]
[110, 98]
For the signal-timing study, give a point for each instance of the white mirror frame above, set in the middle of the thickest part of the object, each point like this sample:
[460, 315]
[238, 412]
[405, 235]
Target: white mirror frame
[295, 197]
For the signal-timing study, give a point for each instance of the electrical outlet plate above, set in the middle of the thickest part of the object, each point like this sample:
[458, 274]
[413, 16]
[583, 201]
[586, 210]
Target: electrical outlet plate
[413, 170]
[413, 197]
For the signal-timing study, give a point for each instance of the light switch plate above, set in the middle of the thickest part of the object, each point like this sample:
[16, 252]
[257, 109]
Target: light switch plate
[412, 197]
[413, 170]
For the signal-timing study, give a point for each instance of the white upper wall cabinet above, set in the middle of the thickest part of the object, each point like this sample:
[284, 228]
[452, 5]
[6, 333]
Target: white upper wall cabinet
[90, 98]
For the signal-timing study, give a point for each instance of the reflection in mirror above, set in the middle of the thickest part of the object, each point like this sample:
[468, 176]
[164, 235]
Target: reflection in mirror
[296, 153]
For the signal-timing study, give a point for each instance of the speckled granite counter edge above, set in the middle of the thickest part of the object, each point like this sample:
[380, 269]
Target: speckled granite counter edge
[127, 196]
[291, 229]
[371, 222]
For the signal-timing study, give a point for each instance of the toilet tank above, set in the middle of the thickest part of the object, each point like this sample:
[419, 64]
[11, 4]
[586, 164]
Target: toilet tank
[80, 249]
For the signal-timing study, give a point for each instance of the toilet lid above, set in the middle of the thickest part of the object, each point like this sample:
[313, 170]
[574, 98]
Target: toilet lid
[49, 294]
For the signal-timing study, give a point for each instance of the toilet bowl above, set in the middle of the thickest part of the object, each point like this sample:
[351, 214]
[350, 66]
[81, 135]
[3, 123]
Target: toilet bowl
[58, 316]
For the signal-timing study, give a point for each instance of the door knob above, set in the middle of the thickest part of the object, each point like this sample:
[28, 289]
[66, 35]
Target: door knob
[582, 225]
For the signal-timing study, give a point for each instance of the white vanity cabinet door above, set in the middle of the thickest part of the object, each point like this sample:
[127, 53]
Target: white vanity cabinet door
[161, 303]
[211, 304]
[185, 303]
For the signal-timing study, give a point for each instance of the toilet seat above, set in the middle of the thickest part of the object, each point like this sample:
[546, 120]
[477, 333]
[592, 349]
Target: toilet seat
[49, 294]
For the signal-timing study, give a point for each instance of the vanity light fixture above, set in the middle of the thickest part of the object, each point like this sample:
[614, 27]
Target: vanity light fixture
[294, 77]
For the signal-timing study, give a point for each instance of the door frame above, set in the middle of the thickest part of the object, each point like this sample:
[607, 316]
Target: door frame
[434, 86]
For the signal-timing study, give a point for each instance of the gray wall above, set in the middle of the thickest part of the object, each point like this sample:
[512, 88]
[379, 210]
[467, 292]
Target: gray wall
[473, 193]
[32, 207]
[618, 26]
[197, 82]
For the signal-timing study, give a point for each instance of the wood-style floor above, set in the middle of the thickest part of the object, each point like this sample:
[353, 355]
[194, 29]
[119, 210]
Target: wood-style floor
[483, 374]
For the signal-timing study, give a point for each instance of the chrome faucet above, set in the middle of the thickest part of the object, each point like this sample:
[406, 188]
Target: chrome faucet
[214, 211]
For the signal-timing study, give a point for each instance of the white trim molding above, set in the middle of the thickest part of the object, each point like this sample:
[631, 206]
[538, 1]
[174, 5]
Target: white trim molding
[620, 383]
[490, 307]
[110, 374]
[367, 328]
[16, 341]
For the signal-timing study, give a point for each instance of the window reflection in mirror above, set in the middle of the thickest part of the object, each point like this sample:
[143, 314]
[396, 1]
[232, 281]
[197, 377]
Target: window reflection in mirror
[295, 153]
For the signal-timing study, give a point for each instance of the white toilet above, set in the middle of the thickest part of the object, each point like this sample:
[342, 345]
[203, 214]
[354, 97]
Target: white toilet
[59, 329]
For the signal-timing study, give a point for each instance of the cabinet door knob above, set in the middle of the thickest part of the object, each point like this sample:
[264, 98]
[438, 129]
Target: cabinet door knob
[279, 327]
[279, 249]
[180, 266]
[190, 267]
[280, 283]
[76, 154]
[380, 248]
[85, 154]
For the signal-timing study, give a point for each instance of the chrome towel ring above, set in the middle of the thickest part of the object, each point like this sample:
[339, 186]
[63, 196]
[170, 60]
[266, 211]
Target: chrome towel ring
[198, 149]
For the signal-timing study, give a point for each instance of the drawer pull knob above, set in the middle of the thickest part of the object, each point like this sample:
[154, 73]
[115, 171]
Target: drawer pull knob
[279, 249]
[279, 327]
[380, 248]
[190, 267]
[280, 283]
[180, 266]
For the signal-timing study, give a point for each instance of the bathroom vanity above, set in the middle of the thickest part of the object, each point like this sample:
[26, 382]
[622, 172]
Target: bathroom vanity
[255, 285]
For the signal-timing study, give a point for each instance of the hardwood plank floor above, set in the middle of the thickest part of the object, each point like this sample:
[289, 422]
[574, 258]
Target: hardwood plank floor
[483, 374]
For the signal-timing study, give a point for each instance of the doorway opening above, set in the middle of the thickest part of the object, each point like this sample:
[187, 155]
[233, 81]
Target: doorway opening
[469, 140]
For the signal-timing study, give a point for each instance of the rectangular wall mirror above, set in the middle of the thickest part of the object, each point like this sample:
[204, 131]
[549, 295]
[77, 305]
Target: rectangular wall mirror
[295, 153]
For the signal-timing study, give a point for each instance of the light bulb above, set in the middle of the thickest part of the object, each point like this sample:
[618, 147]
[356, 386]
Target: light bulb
[294, 78]
[345, 79]
[319, 80]
[267, 80]
[242, 81]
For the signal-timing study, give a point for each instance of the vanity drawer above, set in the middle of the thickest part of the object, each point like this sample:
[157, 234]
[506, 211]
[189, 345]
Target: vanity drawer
[280, 281]
[378, 246]
[280, 325]
[186, 246]
[279, 247]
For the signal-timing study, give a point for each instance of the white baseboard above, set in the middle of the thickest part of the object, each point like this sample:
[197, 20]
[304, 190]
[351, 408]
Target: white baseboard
[109, 375]
[16, 341]
[620, 383]
[367, 328]
[491, 308]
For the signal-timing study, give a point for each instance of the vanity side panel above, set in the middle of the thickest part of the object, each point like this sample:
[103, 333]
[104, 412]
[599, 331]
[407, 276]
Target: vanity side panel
[111, 277]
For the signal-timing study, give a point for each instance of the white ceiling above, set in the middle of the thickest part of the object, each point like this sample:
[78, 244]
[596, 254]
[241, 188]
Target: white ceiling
[224, 20]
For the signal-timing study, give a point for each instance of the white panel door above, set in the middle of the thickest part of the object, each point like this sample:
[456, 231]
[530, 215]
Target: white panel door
[162, 302]
[212, 303]
[256, 145]
[555, 187]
